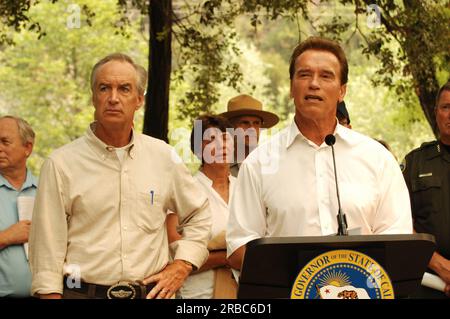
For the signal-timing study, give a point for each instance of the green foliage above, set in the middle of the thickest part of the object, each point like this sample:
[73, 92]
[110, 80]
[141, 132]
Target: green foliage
[221, 48]
[391, 115]
[380, 113]
[206, 68]
[46, 80]
[205, 43]
[377, 73]
[13, 14]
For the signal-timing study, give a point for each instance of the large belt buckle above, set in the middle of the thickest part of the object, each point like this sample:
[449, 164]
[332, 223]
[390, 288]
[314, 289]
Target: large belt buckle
[121, 290]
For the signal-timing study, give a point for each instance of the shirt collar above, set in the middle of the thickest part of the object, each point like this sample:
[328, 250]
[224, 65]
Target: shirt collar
[101, 148]
[30, 181]
[293, 132]
[342, 132]
[207, 180]
[204, 178]
[4, 182]
[443, 150]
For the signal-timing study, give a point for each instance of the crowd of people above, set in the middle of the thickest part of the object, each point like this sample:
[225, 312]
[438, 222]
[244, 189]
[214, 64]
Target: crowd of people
[115, 216]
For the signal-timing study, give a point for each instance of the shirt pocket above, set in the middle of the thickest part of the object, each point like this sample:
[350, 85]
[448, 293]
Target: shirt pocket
[149, 215]
[426, 195]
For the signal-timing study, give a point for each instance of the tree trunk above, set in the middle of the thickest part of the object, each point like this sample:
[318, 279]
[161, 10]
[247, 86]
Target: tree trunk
[419, 54]
[156, 116]
[421, 62]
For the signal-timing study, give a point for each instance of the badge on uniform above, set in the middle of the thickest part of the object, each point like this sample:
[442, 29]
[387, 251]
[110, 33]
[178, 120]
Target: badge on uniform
[426, 175]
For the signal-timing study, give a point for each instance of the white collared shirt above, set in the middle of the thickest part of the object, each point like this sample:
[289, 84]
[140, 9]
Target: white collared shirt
[201, 285]
[286, 187]
[219, 208]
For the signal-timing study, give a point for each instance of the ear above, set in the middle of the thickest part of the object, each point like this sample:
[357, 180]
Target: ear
[141, 99]
[342, 92]
[28, 148]
[291, 95]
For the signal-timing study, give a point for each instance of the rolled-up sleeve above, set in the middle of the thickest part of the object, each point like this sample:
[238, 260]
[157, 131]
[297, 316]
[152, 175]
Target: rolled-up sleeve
[48, 235]
[192, 207]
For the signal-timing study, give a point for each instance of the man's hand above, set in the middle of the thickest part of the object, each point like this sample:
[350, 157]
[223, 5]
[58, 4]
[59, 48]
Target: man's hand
[169, 280]
[236, 258]
[15, 234]
[441, 266]
[447, 290]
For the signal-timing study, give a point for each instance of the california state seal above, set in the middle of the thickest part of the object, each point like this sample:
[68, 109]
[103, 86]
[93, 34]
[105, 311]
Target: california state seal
[342, 274]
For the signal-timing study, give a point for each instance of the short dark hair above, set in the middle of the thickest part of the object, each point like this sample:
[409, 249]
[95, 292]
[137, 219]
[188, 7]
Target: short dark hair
[320, 44]
[445, 87]
[342, 113]
[208, 121]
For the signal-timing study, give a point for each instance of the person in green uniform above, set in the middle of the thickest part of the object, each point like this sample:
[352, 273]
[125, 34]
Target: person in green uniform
[427, 174]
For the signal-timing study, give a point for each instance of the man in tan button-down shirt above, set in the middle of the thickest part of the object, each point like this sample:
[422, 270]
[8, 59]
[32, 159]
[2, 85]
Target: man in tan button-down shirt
[101, 206]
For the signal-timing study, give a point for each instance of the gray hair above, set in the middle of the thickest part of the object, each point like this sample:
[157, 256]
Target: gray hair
[140, 71]
[26, 133]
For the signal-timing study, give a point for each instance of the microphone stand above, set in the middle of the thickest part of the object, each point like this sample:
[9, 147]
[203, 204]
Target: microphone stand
[341, 219]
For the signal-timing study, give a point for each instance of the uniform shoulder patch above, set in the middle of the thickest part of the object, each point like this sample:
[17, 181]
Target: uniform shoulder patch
[425, 147]
[428, 144]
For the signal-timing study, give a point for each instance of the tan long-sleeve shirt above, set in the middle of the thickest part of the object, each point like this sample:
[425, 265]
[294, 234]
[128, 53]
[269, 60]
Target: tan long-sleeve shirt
[108, 218]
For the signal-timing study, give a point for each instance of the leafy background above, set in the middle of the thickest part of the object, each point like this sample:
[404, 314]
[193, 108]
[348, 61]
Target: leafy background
[44, 73]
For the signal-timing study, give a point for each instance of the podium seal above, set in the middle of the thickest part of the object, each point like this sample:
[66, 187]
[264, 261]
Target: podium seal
[342, 274]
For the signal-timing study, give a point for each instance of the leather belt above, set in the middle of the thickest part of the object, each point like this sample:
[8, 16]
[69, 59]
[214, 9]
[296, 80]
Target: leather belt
[121, 290]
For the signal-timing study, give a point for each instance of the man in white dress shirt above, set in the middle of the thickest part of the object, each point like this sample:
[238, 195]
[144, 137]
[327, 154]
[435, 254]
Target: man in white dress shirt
[286, 187]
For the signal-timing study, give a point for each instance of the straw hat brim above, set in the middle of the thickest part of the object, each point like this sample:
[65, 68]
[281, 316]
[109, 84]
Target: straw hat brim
[269, 119]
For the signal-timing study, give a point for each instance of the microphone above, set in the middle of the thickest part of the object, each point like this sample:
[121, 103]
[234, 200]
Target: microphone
[341, 219]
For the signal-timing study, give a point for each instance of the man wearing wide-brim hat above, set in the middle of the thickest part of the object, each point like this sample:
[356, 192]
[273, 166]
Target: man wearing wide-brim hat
[247, 117]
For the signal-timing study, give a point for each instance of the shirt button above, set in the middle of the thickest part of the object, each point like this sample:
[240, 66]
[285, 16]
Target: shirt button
[125, 228]
[124, 256]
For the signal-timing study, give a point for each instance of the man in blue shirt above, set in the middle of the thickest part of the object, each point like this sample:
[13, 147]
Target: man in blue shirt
[16, 145]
